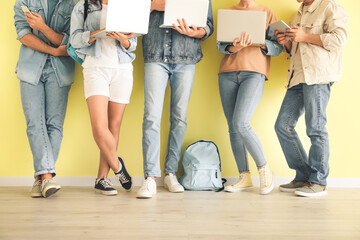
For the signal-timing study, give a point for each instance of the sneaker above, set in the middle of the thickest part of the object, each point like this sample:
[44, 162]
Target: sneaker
[124, 177]
[104, 186]
[36, 189]
[311, 190]
[171, 183]
[291, 187]
[243, 184]
[49, 187]
[266, 180]
[148, 188]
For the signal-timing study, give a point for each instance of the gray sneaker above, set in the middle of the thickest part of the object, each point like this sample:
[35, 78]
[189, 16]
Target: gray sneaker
[36, 189]
[49, 187]
[291, 187]
[311, 190]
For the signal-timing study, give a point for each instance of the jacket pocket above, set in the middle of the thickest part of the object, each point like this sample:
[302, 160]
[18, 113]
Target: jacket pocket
[314, 28]
[63, 21]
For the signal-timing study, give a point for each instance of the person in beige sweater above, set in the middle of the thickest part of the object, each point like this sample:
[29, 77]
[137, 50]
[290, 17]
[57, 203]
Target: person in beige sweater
[243, 72]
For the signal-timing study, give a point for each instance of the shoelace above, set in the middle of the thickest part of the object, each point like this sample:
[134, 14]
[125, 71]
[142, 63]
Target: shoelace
[121, 177]
[146, 183]
[37, 183]
[106, 183]
[263, 176]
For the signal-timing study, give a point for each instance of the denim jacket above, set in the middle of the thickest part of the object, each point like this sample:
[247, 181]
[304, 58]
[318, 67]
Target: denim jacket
[166, 45]
[80, 34]
[31, 63]
[273, 47]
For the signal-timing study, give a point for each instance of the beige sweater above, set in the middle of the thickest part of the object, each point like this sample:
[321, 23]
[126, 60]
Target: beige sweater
[249, 58]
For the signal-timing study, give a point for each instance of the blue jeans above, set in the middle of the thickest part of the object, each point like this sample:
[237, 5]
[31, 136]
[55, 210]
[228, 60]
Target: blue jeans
[240, 94]
[181, 82]
[313, 100]
[44, 107]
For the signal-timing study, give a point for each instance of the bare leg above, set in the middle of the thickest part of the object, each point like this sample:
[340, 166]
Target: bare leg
[98, 110]
[115, 116]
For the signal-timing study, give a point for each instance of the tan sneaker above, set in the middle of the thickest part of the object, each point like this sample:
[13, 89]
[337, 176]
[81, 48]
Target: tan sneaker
[49, 187]
[311, 190]
[243, 184]
[266, 180]
[36, 189]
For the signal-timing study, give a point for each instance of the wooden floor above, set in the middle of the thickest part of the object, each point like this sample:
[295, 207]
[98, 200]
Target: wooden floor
[79, 213]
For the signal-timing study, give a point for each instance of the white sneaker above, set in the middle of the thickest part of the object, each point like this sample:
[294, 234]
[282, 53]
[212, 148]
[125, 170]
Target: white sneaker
[49, 187]
[171, 183]
[266, 180]
[243, 184]
[148, 189]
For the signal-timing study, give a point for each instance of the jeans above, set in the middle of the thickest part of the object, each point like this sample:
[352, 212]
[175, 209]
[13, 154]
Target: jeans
[240, 93]
[313, 100]
[44, 107]
[181, 82]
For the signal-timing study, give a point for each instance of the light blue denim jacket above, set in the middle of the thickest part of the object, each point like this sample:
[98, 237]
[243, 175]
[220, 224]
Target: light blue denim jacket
[31, 63]
[80, 34]
[165, 45]
[273, 47]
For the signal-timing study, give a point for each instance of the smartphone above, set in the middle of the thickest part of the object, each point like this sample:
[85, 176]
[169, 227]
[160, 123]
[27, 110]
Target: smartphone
[26, 9]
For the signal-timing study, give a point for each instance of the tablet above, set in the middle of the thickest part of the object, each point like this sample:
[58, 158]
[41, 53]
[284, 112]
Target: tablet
[280, 26]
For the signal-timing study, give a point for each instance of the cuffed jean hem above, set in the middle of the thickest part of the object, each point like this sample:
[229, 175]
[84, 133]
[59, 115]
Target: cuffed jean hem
[39, 173]
[157, 175]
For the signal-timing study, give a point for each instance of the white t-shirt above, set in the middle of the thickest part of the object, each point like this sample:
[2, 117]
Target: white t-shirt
[109, 57]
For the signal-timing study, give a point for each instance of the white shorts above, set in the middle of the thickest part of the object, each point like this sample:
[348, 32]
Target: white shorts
[115, 83]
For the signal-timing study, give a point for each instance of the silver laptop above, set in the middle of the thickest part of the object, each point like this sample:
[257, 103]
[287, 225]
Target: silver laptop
[127, 16]
[231, 23]
[193, 11]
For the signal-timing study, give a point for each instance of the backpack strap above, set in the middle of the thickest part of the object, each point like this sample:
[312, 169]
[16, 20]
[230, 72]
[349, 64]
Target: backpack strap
[86, 8]
[222, 188]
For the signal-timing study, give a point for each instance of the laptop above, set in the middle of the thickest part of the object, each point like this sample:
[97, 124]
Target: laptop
[126, 16]
[231, 23]
[193, 11]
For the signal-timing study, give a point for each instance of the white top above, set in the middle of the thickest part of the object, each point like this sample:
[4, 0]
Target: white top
[109, 57]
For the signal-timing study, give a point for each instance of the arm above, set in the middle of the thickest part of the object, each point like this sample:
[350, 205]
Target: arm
[297, 34]
[79, 38]
[35, 43]
[128, 42]
[36, 22]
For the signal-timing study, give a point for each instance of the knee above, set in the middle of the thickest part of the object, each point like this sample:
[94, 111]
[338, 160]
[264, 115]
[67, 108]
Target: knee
[282, 127]
[241, 127]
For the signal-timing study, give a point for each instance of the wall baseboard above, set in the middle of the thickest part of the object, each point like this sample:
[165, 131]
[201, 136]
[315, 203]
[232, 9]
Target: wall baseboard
[89, 181]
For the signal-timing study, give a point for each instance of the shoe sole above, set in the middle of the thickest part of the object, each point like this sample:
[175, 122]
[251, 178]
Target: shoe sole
[291, 190]
[36, 195]
[267, 190]
[239, 190]
[107, 193]
[49, 192]
[144, 196]
[304, 194]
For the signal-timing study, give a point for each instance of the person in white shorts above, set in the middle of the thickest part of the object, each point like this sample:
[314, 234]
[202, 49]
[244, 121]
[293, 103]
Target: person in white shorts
[108, 81]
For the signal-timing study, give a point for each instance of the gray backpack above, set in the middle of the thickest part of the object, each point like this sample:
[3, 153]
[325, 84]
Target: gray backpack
[202, 167]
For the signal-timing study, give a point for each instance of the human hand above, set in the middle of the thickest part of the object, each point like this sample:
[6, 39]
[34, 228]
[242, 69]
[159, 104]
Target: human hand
[60, 51]
[35, 21]
[158, 5]
[243, 42]
[281, 38]
[121, 37]
[192, 31]
[296, 34]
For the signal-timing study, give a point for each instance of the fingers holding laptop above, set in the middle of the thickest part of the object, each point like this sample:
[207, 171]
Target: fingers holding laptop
[123, 38]
[244, 41]
[184, 29]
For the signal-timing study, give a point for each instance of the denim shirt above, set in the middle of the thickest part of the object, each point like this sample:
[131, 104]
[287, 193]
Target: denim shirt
[273, 47]
[80, 34]
[166, 45]
[31, 63]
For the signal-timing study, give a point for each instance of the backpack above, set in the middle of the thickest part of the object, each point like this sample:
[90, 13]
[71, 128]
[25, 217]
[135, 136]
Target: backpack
[70, 49]
[202, 167]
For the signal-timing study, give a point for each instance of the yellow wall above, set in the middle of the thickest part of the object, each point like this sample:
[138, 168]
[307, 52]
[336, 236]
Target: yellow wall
[79, 153]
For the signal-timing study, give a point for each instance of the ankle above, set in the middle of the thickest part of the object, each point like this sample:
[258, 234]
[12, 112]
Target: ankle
[152, 177]
[46, 176]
